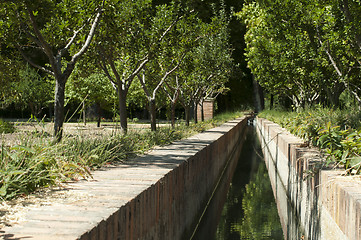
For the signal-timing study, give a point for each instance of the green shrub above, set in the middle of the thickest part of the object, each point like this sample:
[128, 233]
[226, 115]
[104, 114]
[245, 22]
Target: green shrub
[6, 127]
[333, 131]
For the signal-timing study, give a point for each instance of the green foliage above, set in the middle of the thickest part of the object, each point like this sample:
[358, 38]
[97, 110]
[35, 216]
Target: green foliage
[6, 127]
[308, 53]
[9, 66]
[90, 88]
[261, 220]
[336, 132]
[56, 21]
[226, 116]
[136, 96]
[32, 90]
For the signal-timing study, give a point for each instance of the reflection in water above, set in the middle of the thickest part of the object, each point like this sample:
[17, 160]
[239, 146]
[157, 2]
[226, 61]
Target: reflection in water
[249, 210]
[260, 219]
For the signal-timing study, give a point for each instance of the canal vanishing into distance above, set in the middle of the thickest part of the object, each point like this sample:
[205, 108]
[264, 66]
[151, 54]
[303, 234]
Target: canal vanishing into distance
[245, 207]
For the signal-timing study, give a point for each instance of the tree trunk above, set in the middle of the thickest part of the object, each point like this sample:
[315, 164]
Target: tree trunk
[152, 113]
[59, 109]
[32, 109]
[271, 102]
[99, 114]
[50, 112]
[172, 117]
[258, 96]
[84, 113]
[122, 96]
[202, 110]
[195, 113]
[187, 113]
[334, 94]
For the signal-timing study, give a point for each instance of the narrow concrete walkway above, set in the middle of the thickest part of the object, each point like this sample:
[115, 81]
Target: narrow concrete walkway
[91, 203]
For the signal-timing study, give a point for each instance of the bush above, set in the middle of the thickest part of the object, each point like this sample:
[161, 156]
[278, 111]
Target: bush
[6, 127]
[333, 131]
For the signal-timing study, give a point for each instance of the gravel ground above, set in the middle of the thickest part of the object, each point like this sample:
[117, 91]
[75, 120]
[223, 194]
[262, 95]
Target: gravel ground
[14, 211]
[28, 130]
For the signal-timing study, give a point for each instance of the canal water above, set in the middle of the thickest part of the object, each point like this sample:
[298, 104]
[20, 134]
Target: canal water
[245, 207]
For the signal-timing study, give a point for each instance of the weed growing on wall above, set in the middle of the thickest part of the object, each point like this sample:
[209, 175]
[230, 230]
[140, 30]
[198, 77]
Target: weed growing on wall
[336, 132]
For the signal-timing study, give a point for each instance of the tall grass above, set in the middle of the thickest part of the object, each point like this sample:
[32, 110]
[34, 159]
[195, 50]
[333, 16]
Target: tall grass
[36, 162]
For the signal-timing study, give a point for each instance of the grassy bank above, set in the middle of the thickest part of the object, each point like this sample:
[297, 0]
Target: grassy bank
[336, 132]
[35, 162]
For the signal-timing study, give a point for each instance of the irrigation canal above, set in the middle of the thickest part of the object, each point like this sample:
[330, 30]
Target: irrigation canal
[155, 196]
[245, 207]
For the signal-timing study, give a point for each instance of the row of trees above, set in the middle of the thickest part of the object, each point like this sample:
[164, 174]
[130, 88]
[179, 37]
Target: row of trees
[164, 48]
[309, 51]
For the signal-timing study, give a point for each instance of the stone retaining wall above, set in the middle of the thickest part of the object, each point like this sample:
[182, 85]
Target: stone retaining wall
[157, 196]
[312, 203]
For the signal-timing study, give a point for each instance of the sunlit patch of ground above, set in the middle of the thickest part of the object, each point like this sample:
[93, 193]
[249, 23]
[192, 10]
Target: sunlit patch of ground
[31, 130]
[14, 211]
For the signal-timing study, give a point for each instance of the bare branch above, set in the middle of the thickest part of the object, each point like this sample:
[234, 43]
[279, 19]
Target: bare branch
[42, 43]
[142, 81]
[89, 38]
[356, 87]
[115, 71]
[169, 28]
[166, 76]
[339, 73]
[143, 61]
[105, 69]
[72, 39]
[167, 92]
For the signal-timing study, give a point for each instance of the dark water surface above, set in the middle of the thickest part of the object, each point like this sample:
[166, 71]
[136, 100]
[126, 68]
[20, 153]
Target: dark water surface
[248, 210]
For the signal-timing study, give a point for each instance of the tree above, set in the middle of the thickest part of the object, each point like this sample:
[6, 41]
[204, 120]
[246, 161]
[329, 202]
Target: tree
[62, 31]
[129, 40]
[309, 52]
[279, 53]
[9, 74]
[171, 89]
[207, 67]
[169, 57]
[31, 90]
[338, 37]
[91, 88]
[151, 89]
[213, 59]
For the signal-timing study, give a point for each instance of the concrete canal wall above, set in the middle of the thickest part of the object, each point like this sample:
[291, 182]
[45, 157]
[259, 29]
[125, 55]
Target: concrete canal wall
[312, 203]
[157, 196]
